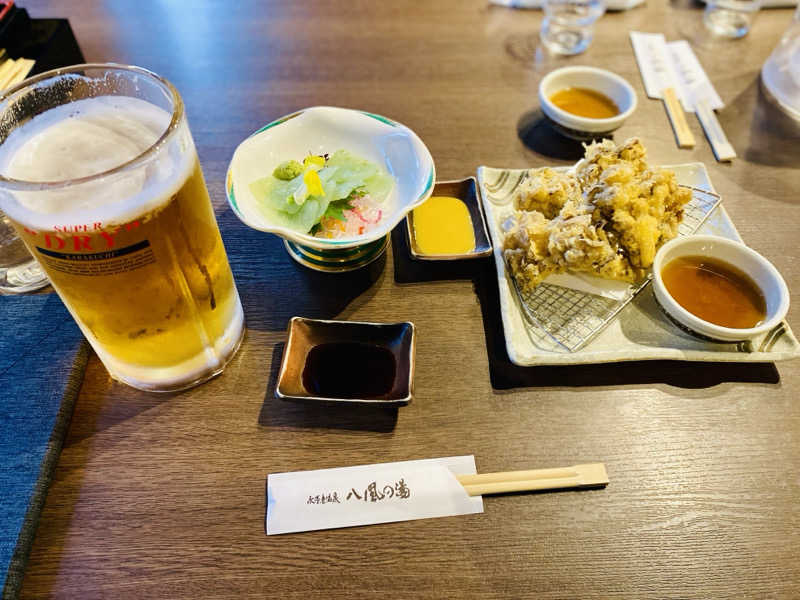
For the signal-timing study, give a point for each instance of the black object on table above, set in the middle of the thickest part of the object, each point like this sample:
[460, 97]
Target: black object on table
[50, 42]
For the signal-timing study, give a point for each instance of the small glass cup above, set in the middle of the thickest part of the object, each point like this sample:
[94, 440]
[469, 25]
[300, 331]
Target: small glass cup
[730, 18]
[781, 72]
[19, 271]
[568, 25]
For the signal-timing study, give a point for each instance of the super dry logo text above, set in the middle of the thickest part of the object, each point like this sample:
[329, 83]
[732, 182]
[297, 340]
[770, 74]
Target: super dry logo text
[101, 239]
[97, 226]
[91, 250]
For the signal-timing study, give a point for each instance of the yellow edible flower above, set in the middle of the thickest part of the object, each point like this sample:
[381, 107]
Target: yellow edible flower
[313, 160]
[313, 183]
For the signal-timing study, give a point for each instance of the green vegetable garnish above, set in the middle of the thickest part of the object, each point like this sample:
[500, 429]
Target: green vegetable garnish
[287, 170]
[291, 203]
[336, 209]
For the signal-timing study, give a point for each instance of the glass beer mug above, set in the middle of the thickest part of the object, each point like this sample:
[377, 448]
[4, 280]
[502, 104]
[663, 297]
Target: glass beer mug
[100, 177]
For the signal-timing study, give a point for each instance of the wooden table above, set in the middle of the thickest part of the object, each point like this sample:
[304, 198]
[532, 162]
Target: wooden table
[164, 496]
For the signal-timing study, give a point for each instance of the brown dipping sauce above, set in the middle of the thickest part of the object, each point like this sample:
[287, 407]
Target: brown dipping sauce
[715, 291]
[585, 103]
[349, 370]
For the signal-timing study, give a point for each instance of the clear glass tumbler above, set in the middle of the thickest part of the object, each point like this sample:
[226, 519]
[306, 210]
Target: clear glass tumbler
[568, 25]
[730, 18]
[19, 272]
[781, 71]
[100, 178]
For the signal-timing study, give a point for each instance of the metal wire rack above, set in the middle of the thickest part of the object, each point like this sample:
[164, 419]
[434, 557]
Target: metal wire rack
[565, 320]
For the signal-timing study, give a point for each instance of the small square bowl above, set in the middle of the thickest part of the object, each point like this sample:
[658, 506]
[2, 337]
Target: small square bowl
[467, 191]
[307, 334]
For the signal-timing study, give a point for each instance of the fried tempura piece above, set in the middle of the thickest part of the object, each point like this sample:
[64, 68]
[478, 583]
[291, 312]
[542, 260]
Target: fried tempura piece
[525, 248]
[577, 243]
[535, 247]
[641, 207]
[607, 220]
[610, 163]
[546, 190]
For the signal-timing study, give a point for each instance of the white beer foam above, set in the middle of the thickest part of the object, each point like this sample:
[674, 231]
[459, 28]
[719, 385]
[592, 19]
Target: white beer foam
[85, 138]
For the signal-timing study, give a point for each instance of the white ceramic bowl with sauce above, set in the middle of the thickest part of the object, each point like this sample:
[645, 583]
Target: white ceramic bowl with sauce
[605, 82]
[750, 262]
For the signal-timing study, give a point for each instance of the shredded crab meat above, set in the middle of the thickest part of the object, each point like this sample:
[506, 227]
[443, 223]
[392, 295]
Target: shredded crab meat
[358, 220]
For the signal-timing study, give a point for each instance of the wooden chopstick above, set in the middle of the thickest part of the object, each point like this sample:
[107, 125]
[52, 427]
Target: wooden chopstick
[677, 118]
[13, 71]
[25, 66]
[6, 70]
[578, 476]
[723, 150]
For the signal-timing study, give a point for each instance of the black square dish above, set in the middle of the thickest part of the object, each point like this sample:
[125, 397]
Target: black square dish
[465, 190]
[347, 362]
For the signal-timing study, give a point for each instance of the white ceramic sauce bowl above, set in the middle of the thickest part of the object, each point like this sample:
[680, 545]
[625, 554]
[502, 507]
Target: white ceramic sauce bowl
[325, 129]
[750, 262]
[600, 80]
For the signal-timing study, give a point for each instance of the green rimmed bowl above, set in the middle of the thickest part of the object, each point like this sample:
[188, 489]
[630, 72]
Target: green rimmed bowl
[325, 129]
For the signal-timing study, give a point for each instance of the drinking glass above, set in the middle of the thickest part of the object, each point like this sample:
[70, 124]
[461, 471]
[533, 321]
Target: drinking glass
[100, 178]
[781, 71]
[730, 18]
[19, 271]
[568, 25]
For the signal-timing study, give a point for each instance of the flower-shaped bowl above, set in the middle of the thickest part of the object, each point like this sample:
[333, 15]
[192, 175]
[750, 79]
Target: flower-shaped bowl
[323, 130]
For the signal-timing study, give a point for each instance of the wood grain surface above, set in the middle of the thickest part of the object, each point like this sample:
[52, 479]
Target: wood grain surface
[163, 496]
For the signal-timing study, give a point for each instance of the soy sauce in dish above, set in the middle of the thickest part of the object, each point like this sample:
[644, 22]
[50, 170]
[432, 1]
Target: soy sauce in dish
[715, 291]
[585, 103]
[349, 370]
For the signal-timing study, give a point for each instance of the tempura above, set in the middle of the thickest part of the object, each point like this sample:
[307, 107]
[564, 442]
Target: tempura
[607, 219]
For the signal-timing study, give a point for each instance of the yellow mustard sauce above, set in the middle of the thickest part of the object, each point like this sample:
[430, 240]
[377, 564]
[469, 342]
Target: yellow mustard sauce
[442, 225]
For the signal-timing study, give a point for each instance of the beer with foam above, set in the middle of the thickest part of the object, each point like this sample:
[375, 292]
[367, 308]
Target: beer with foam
[107, 193]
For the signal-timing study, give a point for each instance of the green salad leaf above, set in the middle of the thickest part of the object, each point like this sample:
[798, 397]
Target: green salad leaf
[336, 209]
[287, 202]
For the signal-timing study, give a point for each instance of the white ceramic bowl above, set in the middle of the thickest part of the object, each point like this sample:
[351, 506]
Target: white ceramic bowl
[325, 129]
[607, 83]
[758, 268]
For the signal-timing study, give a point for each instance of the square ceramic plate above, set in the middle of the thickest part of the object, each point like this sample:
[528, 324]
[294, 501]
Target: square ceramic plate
[465, 190]
[387, 339]
[640, 331]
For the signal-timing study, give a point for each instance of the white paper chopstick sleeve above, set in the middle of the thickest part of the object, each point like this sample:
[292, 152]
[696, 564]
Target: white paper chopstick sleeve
[368, 494]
